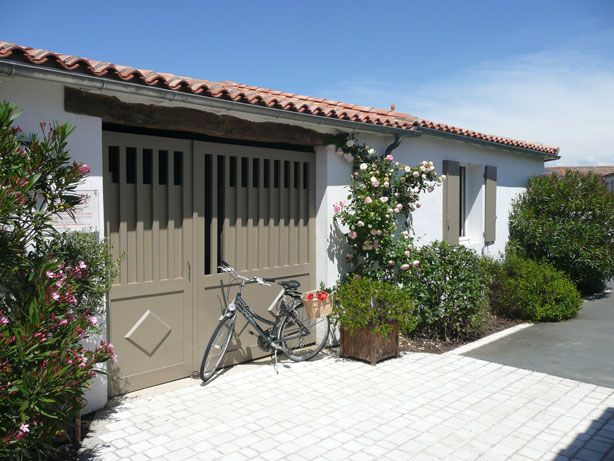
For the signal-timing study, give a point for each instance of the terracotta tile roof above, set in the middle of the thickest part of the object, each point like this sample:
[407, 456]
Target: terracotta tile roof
[601, 170]
[249, 95]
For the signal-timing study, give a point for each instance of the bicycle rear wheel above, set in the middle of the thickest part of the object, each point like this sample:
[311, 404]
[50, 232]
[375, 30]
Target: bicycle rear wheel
[216, 348]
[303, 338]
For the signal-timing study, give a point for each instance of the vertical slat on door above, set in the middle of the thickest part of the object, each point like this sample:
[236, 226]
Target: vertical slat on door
[292, 241]
[170, 230]
[200, 197]
[301, 214]
[179, 209]
[262, 212]
[130, 199]
[251, 231]
[163, 216]
[123, 218]
[312, 220]
[140, 192]
[273, 216]
[145, 205]
[111, 204]
[155, 206]
[213, 229]
[185, 223]
[228, 243]
[241, 216]
[282, 251]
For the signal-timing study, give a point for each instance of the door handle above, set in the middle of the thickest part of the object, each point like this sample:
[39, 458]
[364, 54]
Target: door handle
[189, 271]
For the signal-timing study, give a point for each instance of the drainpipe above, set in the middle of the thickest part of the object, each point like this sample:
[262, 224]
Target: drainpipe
[393, 145]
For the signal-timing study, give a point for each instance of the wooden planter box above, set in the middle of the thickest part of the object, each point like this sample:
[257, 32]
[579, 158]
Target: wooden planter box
[364, 344]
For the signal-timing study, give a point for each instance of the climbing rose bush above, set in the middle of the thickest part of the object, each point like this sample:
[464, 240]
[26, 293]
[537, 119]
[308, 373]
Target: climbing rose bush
[47, 303]
[377, 214]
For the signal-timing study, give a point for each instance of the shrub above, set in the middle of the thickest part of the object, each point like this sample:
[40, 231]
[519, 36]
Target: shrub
[361, 302]
[449, 288]
[532, 290]
[47, 293]
[568, 221]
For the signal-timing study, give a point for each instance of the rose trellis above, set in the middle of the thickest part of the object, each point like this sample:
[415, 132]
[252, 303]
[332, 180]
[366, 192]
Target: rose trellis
[376, 216]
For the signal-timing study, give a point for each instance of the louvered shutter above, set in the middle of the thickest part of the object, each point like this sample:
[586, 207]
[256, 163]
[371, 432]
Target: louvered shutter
[451, 201]
[490, 204]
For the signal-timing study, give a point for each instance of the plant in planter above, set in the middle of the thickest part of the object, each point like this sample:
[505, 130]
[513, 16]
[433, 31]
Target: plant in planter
[370, 314]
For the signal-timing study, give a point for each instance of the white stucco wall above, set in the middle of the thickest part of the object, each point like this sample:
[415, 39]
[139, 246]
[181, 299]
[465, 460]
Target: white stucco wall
[513, 171]
[44, 101]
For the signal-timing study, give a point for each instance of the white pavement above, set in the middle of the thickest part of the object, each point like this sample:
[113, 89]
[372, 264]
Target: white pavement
[419, 407]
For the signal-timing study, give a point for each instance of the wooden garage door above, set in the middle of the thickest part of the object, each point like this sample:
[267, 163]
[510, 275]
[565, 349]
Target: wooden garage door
[173, 209]
[256, 210]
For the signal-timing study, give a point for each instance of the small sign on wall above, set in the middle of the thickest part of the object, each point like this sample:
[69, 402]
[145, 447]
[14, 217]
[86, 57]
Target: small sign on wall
[86, 215]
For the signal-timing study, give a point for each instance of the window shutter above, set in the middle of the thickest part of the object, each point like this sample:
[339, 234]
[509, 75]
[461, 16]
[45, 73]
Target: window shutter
[451, 201]
[490, 204]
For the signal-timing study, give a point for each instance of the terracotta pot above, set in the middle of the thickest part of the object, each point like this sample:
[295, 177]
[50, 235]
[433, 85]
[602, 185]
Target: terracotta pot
[364, 344]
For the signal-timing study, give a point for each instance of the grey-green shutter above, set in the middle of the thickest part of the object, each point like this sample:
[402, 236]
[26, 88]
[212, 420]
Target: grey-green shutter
[451, 201]
[490, 204]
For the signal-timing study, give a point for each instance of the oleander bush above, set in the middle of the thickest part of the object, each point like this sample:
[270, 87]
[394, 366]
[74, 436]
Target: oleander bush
[361, 302]
[568, 221]
[449, 288]
[533, 290]
[50, 288]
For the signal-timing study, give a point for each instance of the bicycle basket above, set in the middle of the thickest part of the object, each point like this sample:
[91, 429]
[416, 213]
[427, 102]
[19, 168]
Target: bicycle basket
[317, 303]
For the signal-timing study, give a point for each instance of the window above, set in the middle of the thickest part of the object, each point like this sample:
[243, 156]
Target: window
[462, 202]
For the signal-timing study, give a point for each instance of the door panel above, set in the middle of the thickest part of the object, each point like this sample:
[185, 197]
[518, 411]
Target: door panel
[148, 212]
[257, 213]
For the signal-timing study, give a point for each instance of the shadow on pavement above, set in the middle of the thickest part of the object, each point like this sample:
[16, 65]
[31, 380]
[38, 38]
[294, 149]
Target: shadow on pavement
[596, 443]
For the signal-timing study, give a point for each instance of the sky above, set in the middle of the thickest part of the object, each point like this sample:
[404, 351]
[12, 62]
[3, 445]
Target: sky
[542, 71]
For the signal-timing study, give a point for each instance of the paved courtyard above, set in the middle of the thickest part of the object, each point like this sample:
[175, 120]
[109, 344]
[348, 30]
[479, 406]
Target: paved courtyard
[418, 407]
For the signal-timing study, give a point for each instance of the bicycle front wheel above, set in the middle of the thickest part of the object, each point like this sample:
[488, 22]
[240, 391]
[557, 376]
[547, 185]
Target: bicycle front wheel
[301, 337]
[216, 348]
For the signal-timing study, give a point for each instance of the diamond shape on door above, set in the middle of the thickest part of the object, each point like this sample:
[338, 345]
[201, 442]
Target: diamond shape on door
[148, 333]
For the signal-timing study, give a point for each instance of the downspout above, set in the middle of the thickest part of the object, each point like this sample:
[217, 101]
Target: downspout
[393, 145]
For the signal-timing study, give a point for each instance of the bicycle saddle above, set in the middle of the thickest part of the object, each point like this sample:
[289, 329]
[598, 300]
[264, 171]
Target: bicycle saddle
[290, 284]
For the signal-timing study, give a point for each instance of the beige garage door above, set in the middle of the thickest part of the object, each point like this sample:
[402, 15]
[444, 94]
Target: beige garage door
[173, 209]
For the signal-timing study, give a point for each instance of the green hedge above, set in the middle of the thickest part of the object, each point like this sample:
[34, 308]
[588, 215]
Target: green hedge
[533, 290]
[568, 221]
[449, 288]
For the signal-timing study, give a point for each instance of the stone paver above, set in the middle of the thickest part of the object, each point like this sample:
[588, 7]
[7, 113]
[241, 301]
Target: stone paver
[420, 406]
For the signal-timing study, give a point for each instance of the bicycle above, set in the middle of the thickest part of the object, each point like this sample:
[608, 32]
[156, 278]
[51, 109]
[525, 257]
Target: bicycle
[291, 332]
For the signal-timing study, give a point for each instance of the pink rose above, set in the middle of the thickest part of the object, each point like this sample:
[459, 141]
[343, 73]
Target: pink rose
[84, 169]
[404, 267]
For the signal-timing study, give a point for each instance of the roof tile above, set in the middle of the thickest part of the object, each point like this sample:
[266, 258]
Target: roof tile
[252, 95]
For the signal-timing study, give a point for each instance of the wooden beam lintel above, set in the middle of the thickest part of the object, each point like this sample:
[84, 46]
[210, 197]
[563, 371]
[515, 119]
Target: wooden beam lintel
[113, 110]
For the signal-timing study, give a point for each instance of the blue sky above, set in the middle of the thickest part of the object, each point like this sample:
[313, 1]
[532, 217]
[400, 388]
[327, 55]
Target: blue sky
[537, 70]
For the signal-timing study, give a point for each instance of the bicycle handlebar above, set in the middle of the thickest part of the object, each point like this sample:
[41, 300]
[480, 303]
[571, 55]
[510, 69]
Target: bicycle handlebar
[259, 280]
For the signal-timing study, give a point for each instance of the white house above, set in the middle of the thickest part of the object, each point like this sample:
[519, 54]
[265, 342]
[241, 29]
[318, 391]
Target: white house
[185, 172]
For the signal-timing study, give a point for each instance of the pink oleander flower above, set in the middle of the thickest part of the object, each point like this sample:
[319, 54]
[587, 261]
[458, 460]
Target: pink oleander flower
[71, 299]
[415, 263]
[62, 322]
[55, 295]
[84, 169]
[3, 320]
[23, 429]
[93, 321]
[389, 157]
[352, 235]
[81, 265]
[404, 267]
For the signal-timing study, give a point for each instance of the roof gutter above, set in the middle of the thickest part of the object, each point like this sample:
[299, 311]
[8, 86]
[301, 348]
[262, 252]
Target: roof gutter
[18, 69]
[519, 150]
